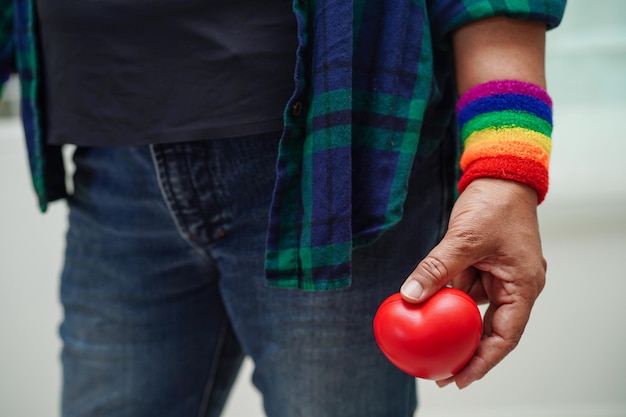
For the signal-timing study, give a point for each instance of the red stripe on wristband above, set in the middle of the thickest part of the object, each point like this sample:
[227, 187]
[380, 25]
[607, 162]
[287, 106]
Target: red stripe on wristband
[509, 167]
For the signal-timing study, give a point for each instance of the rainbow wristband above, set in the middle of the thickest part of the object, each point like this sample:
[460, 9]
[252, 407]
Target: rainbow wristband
[505, 127]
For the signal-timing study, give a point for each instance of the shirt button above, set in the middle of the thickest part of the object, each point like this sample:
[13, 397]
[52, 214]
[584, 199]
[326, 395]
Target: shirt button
[296, 108]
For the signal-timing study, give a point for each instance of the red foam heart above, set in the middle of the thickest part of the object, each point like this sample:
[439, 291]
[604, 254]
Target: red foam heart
[431, 340]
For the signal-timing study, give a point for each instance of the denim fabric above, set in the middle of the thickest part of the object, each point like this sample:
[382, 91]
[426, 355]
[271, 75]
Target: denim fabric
[164, 290]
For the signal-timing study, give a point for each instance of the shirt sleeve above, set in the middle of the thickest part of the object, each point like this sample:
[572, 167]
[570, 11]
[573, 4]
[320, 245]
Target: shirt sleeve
[7, 55]
[448, 15]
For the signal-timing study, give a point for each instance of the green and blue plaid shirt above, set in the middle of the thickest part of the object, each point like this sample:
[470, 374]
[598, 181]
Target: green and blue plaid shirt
[374, 93]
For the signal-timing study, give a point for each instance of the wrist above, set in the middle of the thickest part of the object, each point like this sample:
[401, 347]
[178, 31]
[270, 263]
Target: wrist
[497, 189]
[505, 127]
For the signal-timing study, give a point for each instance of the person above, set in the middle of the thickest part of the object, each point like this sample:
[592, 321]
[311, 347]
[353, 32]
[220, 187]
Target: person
[256, 178]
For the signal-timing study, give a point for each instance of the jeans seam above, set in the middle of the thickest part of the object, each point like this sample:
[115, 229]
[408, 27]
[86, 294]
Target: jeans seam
[205, 403]
[215, 186]
[193, 188]
[160, 168]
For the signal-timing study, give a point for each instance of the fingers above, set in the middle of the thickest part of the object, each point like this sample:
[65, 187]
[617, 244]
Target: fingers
[432, 273]
[491, 251]
[470, 282]
[504, 326]
[452, 257]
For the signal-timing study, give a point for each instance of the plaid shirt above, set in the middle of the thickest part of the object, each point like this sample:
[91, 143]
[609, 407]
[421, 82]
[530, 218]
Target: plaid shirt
[374, 93]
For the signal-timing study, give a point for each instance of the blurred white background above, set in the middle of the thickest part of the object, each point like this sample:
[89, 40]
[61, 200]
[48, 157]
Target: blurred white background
[571, 361]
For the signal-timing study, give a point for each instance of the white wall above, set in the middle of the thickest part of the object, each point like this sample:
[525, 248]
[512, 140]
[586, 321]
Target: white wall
[571, 360]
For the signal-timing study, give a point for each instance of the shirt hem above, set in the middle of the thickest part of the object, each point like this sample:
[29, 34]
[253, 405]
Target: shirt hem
[166, 136]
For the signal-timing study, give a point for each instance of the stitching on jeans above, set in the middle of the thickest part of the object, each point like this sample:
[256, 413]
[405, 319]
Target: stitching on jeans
[162, 172]
[170, 198]
[181, 154]
[203, 410]
[207, 224]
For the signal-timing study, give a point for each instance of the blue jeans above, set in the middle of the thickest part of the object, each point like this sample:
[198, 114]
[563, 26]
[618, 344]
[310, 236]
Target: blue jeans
[163, 289]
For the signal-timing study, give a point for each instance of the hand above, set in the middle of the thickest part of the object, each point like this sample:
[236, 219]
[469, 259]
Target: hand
[492, 251]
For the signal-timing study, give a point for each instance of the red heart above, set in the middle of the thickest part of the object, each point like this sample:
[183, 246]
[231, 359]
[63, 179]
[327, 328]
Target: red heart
[431, 340]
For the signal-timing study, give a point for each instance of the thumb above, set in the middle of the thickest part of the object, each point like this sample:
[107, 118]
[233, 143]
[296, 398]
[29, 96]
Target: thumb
[444, 262]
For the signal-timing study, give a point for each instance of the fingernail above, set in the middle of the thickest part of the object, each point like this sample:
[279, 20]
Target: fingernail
[412, 289]
[463, 384]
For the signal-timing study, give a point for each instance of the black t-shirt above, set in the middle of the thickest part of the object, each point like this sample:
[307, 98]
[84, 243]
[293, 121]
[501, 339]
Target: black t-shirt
[132, 72]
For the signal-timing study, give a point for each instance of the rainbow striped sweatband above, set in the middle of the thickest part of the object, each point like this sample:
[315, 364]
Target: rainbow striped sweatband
[505, 127]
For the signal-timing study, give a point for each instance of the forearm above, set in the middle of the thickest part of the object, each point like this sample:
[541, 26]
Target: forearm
[492, 248]
[504, 113]
[499, 48]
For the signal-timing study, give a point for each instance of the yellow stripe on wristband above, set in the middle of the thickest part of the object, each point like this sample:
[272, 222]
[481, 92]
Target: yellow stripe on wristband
[502, 135]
